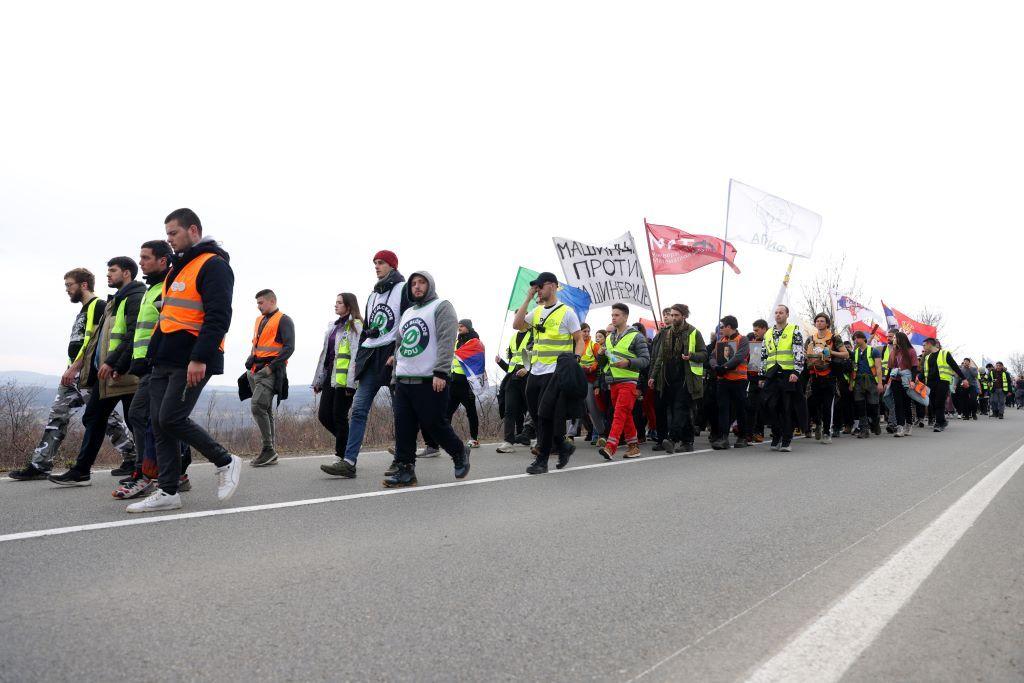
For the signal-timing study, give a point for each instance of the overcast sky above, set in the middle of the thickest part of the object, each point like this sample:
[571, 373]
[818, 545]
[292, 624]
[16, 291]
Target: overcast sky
[464, 135]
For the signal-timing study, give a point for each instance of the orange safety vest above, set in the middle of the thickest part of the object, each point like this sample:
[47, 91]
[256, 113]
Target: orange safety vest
[819, 366]
[264, 344]
[182, 307]
[740, 371]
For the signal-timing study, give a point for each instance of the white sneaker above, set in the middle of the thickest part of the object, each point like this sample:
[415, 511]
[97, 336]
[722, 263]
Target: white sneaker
[427, 452]
[906, 431]
[473, 443]
[158, 501]
[227, 478]
[506, 447]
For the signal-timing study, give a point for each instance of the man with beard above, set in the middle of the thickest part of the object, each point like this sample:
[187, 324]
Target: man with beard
[376, 356]
[109, 357]
[677, 374]
[79, 285]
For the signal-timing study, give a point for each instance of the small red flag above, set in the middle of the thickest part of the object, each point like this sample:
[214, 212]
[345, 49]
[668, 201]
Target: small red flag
[674, 252]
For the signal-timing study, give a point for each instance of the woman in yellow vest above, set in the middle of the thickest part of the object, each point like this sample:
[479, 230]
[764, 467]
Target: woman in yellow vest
[332, 380]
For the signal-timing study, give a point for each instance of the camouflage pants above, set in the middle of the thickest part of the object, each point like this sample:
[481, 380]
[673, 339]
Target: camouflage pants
[68, 400]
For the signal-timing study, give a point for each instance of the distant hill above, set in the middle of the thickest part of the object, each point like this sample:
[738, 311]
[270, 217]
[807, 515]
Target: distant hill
[32, 379]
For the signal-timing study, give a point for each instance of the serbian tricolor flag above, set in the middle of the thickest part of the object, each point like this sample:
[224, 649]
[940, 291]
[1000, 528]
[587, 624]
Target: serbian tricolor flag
[471, 357]
[674, 252]
[651, 327]
[917, 332]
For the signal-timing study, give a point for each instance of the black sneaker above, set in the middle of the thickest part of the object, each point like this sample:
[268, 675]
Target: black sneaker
[405, 476]
[461, 463]
[522, 440]
[28, 473]
[70, 478]
[863, 433]
[126, 469]
[720, 444]
[340, 468]
[688, 447]
[658, 446]
[564, 455]
[740, 443]
[392, 468]
[538, 466]
[876, 430]
[668, 446]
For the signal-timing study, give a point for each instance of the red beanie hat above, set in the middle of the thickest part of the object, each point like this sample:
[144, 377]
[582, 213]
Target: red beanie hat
[387, 257]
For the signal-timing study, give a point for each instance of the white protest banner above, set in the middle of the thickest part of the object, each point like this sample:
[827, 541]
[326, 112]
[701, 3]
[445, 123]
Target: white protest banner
[608, 272]
[770, 222]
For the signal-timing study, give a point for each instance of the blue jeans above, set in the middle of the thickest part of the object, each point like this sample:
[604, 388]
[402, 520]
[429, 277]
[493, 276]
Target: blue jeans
[369, 384]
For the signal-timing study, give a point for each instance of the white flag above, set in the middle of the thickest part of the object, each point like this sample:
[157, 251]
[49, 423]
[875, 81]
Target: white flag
[608, 271]
[848, 311]
[770, 222]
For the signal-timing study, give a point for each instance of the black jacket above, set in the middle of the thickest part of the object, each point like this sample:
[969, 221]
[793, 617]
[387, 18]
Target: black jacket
[216, 283]
[129, 296]
[557, 403]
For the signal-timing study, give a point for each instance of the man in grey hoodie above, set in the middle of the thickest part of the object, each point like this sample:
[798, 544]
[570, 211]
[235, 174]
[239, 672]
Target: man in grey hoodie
[422, 364]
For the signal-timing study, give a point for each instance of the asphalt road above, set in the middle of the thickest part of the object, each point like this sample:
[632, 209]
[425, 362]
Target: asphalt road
[701, 566]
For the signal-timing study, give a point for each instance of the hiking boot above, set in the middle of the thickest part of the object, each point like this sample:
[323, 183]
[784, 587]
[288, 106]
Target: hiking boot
[184, 483]
[134, 489]
[506, 447]
[28, 473]
[405, 476]
[70, 478]
[157, 502]
[340, 468]
[601, 442]
[264, 459]
[126, 468]
[427, 452]
[538, 466]
[392, 468]
[522, 440]
[740, 443]
[461, 463]
[688, 447]
[668, 446]
[633, 451]
[564, 454]
[606, 452]
[658, 446]
[227, 478]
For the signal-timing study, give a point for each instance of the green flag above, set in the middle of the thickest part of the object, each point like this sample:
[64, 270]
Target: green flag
[521, 286]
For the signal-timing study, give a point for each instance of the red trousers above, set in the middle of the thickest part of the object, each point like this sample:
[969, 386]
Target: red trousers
[623, 398]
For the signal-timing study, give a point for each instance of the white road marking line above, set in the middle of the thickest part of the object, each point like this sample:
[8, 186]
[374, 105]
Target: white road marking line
[826, 649]
[283, 459]
[812, 570]
[58, 531]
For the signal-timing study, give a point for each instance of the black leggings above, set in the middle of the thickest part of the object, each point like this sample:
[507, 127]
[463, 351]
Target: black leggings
[333, 415]
[461, 394]
[823, 396]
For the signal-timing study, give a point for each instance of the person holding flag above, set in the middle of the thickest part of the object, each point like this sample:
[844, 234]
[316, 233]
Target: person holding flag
[467, 373]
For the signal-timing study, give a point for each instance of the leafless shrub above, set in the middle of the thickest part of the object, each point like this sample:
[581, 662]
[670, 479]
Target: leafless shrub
[19, 427]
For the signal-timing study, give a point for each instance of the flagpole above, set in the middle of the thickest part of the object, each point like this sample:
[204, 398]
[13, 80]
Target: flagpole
[654, 276]
[725, 246]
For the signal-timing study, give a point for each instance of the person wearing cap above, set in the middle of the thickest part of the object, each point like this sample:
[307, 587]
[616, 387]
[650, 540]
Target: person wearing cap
[375, 359]
[556, 330]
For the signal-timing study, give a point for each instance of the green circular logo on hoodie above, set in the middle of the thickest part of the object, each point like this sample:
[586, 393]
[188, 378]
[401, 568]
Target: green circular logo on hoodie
[415, 338]
[382, 318]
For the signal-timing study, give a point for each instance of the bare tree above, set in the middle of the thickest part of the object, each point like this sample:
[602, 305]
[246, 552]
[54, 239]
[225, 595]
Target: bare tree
[934, 318]
[17, 426]
[834, 276]
[1017, 363]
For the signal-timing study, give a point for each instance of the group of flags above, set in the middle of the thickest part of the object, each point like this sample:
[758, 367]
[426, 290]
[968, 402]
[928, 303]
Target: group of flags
[851, 314]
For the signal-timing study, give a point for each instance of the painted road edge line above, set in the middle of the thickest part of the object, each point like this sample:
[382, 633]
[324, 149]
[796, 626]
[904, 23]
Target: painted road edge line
[829, 646]
[58, 531]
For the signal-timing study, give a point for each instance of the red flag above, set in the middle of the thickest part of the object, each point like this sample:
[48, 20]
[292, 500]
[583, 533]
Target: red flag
[674, 252]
